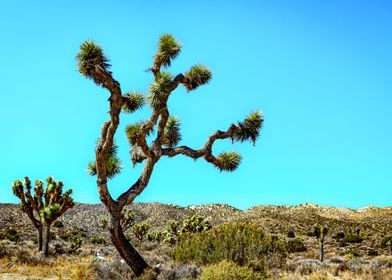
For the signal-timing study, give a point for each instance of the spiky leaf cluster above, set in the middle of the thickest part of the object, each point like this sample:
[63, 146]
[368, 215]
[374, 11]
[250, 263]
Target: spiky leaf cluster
[198, 75]
[17, 188]
[172, 134]
[319, 231]
[228, 161]
[49, 212]
[249, 129]
[113, 164]
[195, 223]
[133, 132]
[127, 219]
[168, 49]
[132, 101]
[159, 90]
[140, 230]
[90, 59]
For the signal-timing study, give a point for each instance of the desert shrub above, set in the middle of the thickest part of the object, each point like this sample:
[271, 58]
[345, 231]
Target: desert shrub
[295, 245]
[103, 223]
[155, 236]
[58, 224]
[230, 270]
[173, 227]
[372, 252]
[22, 256]
[195, 223]
[149, 274]
[352, 253]
[238, 242]
[98, 240]
[352, 238]
[339, 235]
[290, 234]
[65, 236]
[385, 240]
[11, 234]
[140, 230]
[34, 239]
[183, 272]
[75, 232]
[3, 251]
[76, 243]
[52, 236]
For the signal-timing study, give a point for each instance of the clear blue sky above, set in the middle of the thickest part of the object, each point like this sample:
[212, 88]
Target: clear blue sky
[321, 71]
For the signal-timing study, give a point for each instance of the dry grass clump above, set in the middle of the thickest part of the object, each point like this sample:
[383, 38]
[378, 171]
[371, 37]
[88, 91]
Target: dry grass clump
[75, 268]
[230, 270]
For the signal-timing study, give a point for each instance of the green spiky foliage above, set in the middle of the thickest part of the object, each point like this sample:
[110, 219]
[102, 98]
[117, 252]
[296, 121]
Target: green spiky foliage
[168, 49]
[159, 90]
[112, 163]
[172, 132]
[133, 132]
[249, 129]
[132, 102]
[174, 227]
[228, 161]
[198, 75]
[127, 219]
[76, 243]
[140, 230]
[195, 223]
[45, 206]
[91, 61]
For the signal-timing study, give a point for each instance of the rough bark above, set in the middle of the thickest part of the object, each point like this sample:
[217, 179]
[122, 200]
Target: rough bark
[322, 250]
[46, 240]
[40, 238]
[124, 248]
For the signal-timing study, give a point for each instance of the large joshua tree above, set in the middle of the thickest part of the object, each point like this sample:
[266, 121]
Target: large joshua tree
[161, 126]
[44, 207]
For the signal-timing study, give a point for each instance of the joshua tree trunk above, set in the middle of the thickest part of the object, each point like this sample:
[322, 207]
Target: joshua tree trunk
[322, 250]
[40, 238]
[46, 240]
[125, 249]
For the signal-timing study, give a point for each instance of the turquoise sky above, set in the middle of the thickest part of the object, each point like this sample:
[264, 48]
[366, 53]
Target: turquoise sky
[319, 70]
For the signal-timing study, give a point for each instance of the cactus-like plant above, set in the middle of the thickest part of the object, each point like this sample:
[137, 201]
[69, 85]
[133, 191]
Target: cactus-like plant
[95, 65]
[127, 219]
[320, 231]
[43, 207]
[140, 230]
[195, 223]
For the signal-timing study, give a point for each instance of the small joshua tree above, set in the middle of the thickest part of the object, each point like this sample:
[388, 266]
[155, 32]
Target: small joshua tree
[161, 126]
[127, 219]
[320, 231]
[140, 231]
[45, 207]
[195, 223]
[29, 204]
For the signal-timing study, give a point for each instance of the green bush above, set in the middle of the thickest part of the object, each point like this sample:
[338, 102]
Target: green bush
[98, 240]
[385, 240]
[58, 224]
[290, 234]
[76, 243]
[229, 270]
[352, 238]
[295, 245]
[238, 242]
[140, 231]
[11, 234]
